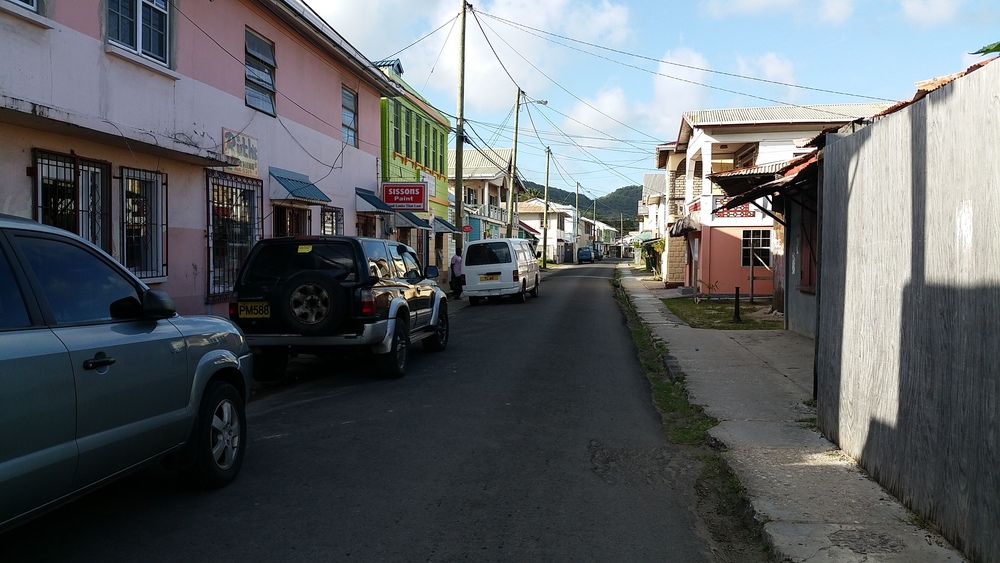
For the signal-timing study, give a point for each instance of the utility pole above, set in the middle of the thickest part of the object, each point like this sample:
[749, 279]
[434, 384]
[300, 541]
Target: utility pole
[545, 213]
[460, 132]
[513, 169]
[595, 227]
[576, 224]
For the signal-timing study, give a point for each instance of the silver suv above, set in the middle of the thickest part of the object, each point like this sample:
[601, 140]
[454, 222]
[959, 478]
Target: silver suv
[99, 376]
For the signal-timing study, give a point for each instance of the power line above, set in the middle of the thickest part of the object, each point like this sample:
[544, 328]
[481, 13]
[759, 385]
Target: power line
[682, 65]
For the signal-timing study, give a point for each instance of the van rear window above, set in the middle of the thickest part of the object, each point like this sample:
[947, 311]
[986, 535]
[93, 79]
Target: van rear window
[487, 253]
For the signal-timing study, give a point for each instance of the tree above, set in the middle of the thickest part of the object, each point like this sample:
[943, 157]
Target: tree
[994, 48]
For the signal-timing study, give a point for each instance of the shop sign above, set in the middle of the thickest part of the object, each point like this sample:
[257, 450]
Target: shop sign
[243, 147]
[405, 196]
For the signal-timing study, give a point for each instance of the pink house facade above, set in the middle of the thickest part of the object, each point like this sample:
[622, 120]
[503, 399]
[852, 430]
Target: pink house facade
[175, 134]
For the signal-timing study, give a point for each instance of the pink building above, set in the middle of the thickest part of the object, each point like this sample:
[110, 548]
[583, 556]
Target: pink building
[175, 134]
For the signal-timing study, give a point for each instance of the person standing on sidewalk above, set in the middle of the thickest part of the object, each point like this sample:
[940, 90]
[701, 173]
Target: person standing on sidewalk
[457, 279]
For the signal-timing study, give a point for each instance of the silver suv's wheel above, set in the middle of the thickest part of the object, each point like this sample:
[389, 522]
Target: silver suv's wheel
[218, 441]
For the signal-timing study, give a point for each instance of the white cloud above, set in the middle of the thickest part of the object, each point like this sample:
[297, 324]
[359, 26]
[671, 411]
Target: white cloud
[930, 12]
[770, 66]
[836, 11]
[675, 90]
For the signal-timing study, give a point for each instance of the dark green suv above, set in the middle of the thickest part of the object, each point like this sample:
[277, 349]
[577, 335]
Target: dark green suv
[320, 294]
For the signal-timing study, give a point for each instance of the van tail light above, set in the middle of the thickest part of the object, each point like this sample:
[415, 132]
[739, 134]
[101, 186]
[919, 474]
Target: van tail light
[367, 302]
[517, 276]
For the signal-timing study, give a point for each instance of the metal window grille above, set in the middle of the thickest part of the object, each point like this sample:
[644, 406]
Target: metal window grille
[333, 221]
[756, 248]
[290, 221]
[144, 222]
[233, 227]
[140, 25]
[74, 194]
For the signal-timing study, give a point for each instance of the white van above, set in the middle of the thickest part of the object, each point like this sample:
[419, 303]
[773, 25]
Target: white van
[500, 266]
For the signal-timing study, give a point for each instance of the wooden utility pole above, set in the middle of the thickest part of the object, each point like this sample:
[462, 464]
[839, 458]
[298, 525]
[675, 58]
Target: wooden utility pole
[513, 169]
[460, 132]
[576, 226]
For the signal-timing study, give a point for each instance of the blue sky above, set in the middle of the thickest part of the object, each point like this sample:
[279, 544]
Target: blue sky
[617, 74]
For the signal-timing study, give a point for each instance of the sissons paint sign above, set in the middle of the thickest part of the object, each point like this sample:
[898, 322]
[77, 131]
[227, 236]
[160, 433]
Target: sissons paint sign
[405, 196]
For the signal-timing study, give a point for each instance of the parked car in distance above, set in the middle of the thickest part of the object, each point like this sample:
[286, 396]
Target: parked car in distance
[326, 294]
[584, 254]
[497, 267]
[99, 376]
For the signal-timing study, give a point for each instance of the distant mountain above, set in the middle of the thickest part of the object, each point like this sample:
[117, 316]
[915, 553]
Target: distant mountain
[617, 208]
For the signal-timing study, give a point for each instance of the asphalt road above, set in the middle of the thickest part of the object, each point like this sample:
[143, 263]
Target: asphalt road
[531, 438]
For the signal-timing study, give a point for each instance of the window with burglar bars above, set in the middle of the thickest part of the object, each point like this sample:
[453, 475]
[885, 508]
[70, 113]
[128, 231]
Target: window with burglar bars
[260, 65]
[333, 221]
[757, 243]
[144, 222]
[233, 227]
[290, 221]
[139, 26]
[349, 117]
[74, 194]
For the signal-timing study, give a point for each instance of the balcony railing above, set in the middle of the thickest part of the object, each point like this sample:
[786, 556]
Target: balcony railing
[493, 212]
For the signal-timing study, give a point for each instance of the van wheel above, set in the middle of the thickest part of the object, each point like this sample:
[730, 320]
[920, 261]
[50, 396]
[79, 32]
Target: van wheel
[521, 296]
[534, 290]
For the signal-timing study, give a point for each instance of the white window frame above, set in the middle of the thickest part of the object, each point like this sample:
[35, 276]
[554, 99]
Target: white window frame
[261, 68]
[140, 32]
[349, 117]
[758, 236]
[29, 4]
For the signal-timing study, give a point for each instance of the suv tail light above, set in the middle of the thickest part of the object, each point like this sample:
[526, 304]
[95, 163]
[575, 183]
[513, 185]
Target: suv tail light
[517, 276]
[233, 303]
[367, 302]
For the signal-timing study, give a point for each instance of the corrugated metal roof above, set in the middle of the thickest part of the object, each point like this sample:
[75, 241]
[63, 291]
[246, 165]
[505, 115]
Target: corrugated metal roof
[480, 164]
[772, 168]
[654, 184]
[925, 87]
[784, 114]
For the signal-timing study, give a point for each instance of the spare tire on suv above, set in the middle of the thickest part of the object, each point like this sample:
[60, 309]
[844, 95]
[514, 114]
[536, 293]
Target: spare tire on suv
[319, 295]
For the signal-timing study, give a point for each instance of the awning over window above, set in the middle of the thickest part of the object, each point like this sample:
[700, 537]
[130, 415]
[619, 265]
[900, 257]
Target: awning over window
[407, 220]
[298, 185]
[368, 202]
[442, 226]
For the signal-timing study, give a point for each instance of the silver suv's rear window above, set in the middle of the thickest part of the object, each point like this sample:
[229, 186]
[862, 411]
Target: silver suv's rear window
[487, 253]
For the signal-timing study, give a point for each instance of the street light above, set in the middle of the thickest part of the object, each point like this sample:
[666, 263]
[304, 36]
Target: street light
[513, 161]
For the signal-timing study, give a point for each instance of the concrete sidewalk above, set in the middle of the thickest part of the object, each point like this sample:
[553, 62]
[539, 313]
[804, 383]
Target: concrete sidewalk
[815, 503]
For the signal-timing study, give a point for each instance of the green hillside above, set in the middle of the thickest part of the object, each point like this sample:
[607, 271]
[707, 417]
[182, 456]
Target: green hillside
[616, 208]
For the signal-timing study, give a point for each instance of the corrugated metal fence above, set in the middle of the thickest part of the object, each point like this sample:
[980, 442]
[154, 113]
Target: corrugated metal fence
[908, 356]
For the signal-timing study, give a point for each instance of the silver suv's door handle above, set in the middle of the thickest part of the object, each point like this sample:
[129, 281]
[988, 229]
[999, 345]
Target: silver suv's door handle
[98, 363]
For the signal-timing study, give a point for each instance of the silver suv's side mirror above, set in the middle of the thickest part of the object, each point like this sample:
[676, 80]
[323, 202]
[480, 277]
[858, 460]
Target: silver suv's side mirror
[431, 272]
[156, 304]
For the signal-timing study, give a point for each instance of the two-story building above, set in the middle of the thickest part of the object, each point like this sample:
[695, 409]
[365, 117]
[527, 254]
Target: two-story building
[485, 186]
[725, 247]
[175, 134]
[414, 171]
